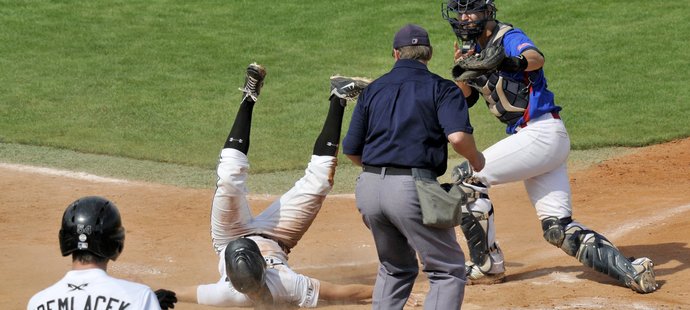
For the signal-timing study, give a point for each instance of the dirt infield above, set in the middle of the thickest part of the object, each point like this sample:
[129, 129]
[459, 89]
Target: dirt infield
[640, 201]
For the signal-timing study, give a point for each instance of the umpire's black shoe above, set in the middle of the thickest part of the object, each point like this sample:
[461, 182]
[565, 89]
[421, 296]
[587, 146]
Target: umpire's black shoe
[253, 81]
[348, 88]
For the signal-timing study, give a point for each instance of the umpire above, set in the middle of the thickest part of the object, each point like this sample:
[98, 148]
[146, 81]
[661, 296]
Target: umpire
[401, 126]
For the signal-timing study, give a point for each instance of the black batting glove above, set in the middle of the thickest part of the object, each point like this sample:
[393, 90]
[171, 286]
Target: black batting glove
[513, 64]
[166, 299]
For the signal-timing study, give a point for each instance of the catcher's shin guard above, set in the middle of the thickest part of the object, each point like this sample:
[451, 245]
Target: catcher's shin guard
[478, 227]
[597, 252]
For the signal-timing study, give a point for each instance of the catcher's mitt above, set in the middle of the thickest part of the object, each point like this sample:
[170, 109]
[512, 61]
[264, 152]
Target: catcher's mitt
[478, 64]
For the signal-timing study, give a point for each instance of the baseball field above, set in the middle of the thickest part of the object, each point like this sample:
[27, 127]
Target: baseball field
[633, 199]
[131, 100]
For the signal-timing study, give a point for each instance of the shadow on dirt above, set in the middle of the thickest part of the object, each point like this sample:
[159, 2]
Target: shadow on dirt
[668, 258]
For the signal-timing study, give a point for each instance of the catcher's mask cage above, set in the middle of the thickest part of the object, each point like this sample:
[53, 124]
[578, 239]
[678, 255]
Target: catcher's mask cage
[468, 30]
[92, 224]
[245, 266]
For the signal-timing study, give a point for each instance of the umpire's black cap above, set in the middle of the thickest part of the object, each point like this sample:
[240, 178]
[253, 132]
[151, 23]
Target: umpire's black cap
[409, 35]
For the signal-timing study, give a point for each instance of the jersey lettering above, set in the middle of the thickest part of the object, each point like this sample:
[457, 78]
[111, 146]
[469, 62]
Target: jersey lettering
[95, 303]
[66, 303]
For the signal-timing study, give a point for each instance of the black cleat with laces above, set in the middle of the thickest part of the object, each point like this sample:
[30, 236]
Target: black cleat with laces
[253, 81]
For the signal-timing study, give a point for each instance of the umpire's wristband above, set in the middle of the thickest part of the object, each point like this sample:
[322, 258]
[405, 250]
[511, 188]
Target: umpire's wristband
[514, 64]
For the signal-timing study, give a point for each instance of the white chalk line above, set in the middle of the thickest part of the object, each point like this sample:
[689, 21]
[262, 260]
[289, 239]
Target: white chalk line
[62, 173]
[626, 228]
[95, 178]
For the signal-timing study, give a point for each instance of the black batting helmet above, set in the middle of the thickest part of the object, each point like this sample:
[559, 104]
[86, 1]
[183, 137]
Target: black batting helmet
[92, 224]
[245, 266]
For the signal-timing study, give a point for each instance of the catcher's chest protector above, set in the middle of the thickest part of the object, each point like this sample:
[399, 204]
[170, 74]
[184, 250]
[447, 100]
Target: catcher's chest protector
[506, 98]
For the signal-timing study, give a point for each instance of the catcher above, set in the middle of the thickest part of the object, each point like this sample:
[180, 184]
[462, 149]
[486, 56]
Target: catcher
[501, 64]
[253, 251]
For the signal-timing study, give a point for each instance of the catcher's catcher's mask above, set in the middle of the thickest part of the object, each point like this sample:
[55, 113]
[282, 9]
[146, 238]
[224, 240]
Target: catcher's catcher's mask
[245, 266]
[468, 30]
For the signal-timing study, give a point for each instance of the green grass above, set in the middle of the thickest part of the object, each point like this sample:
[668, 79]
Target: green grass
[156, 80]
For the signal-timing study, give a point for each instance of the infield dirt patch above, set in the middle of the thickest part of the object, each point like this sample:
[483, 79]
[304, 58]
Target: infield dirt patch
[640, 201]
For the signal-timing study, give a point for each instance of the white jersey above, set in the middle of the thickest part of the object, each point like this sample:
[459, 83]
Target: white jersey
[286, 286]
[94, 289]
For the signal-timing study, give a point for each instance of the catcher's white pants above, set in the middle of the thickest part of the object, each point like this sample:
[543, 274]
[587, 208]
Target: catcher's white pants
[537, 155]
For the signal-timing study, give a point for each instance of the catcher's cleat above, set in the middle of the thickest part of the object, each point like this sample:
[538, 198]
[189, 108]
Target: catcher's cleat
[253, 81]
[477, 277]
[348, 88]
[643, 281]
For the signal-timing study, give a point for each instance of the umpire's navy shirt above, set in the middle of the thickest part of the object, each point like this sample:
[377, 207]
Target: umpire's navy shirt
[403, 119]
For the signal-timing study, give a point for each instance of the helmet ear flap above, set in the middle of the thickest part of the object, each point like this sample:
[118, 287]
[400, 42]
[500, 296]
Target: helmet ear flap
[117, 243]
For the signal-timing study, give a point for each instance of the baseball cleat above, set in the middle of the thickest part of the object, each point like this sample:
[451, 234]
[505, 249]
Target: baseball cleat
[644, 280]
[348, 88]
[477, 277]
[253, 81]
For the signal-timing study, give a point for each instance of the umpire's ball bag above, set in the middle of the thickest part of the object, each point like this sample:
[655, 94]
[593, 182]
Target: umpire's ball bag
[441, 208]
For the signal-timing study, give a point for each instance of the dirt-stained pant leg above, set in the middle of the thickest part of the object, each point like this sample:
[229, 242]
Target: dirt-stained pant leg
[289, 217]
[230, 214]
[390, 207]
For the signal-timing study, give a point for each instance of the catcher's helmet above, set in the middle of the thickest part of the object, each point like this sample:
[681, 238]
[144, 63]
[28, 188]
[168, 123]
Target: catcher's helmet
[245, 266]
[92, 224]
[468, 30]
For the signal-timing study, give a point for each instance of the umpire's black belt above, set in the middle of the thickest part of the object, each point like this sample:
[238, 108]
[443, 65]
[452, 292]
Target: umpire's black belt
[387, 170]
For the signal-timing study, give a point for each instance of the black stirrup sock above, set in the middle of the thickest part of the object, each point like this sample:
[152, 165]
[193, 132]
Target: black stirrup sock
[238, 138]
[328, 141]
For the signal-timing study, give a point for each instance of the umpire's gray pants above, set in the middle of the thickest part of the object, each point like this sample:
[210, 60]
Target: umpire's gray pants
[390, 207]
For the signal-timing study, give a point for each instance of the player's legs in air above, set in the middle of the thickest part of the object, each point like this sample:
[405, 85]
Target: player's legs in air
[289, 217]
[231, 217]
[230, 214]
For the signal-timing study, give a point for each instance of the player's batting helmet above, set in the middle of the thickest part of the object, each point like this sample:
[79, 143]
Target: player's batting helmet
[92, 224]
[245, 266]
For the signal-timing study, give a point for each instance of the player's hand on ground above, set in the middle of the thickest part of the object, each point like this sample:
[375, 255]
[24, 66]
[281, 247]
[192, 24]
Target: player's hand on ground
[166, 299]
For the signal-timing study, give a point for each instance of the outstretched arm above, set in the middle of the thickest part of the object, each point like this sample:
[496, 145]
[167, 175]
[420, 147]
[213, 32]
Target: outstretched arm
[185, 293]
[215, 294]
[349, 292]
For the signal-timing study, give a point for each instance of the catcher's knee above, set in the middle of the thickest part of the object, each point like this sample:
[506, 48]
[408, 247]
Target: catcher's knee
[564, 233]
[554, 229]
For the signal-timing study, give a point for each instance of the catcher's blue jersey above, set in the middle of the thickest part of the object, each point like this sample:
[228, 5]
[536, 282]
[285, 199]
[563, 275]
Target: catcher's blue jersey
[541, 100]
